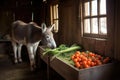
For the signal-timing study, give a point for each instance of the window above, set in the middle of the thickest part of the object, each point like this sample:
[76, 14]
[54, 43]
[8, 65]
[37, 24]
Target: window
[54, 16]
[94, 18]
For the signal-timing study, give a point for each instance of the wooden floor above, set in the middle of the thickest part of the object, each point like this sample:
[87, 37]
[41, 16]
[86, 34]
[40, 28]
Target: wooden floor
[21, 71]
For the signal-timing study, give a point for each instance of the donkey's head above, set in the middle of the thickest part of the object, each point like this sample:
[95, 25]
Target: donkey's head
[47, 36]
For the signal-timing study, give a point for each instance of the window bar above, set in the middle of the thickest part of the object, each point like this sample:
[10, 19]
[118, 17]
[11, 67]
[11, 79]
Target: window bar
[51, 12]
[54, 11]
[56, 21]
[57, 10]
[90, 16]
[81, 17]
[83, 14]
[98, 12]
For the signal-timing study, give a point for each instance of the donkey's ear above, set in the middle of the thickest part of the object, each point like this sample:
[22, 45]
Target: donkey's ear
[51, 27]
[44, 28]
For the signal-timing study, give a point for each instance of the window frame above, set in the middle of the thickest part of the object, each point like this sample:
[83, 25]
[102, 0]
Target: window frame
[90, 17]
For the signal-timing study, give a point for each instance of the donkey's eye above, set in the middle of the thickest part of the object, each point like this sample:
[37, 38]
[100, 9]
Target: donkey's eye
[47, 37]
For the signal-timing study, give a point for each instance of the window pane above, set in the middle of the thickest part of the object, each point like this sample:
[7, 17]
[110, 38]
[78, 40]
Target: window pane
[54, 8]
[103, 25]
[102, 6]
[57, 11]
[87, 8]
[56, 25]
[94, 25]
[87, 25]
[94, 7]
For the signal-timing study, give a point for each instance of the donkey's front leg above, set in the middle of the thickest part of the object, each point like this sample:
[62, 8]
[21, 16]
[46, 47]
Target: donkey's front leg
[31, 57]
[35, 46]
[15, 52]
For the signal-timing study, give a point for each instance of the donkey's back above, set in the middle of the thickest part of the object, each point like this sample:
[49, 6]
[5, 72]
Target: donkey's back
[25, 32]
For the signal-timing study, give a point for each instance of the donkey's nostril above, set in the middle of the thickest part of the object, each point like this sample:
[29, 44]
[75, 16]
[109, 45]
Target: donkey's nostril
[53, 47]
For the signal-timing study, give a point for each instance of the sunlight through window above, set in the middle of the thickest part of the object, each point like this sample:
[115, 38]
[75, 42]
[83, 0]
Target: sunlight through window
[87, 25]
[94, 25]
[103, 26]
[94, 7]
[94, 18]
[102, 6]
[87, 9]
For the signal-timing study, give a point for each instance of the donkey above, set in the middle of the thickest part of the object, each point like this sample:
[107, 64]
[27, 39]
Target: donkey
[30, 34]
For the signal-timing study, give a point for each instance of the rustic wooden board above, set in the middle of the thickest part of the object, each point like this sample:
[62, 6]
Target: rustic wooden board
[69, 72]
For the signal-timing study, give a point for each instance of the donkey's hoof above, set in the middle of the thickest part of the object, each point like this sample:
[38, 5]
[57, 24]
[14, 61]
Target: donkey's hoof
[15, 61]
[33, 67]
[20, 60]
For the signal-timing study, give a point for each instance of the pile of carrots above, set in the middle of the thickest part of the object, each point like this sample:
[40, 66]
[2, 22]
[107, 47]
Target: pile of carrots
[88, 59]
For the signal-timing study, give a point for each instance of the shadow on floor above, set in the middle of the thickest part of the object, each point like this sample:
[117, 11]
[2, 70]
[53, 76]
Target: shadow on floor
[21, 71]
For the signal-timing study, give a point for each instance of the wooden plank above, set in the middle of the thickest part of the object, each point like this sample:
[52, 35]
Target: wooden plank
[69, 72]
[65, 70]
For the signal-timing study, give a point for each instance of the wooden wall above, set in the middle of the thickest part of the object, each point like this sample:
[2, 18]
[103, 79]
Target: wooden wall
[6, 15]
[69, 22]
[69, 31]
[117, 30]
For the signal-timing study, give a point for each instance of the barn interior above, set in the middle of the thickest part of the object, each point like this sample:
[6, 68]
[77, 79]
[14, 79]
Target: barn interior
[69, 19]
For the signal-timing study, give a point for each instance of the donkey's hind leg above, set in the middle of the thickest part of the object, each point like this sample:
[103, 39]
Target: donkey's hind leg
[19, 52]
[15, 51]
